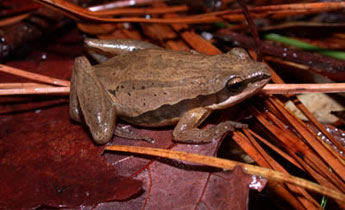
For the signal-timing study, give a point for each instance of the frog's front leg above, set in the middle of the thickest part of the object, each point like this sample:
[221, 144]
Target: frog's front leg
[187, 130]
[94, 101]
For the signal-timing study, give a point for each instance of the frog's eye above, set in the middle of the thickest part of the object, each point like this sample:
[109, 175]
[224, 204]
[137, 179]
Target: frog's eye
[235, 84]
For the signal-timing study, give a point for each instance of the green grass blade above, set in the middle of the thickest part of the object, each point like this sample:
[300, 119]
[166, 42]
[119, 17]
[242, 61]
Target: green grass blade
[304, 45]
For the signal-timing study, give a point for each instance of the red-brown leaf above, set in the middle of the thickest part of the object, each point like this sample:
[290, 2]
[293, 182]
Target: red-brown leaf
[45, 159]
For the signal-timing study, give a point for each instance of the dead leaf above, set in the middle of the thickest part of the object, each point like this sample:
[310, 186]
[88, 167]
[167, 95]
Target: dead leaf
[45, 159]
[172, 184]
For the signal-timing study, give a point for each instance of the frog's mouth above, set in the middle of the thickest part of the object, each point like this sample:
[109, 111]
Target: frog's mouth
[252, 87]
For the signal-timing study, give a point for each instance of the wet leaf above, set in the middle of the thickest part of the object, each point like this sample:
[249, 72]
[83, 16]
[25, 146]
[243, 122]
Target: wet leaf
[173, 184]
[45, 159]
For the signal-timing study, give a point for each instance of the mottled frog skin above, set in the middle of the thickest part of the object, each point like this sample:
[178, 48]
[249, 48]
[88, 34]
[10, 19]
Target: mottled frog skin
[157, 87]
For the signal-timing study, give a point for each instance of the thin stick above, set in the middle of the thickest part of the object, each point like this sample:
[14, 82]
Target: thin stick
[119, 5]
[229, 165]
[276, 149]
[11, 20]
[35, 91]
[268, 89]
[33, 76]
[291, 9]
[297, 8]
[15, 85]
[139, 11]
[304, 88]
[81, 13]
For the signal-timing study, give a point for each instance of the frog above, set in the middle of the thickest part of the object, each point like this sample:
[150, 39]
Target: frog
[148, 86]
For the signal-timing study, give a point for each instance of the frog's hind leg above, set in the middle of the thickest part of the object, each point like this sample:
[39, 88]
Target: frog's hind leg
[94, 101]
[101, 50]
[74, 107]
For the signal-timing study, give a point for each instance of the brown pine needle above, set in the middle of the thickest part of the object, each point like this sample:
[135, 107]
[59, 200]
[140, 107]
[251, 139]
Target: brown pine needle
[15, 85]
[15, 19]
[296, 8]
[118, 5]
[281, 10]
[268, 89]
[81, 13]
[33, 76]
[139, 11]
[35, 91]
[276, 149]
[229, 165]
[304, 88]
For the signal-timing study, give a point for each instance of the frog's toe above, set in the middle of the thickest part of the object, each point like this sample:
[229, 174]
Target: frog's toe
[101, 124]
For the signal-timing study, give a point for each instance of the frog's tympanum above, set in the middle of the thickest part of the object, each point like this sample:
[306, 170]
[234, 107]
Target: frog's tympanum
[146, 85]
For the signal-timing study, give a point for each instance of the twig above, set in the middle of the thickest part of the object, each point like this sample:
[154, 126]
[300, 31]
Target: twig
[229, 165]
[119, 4]
[33, 76]
[18, 10]
[35, 90]
[139, 11]
[81, 13]
[15, 85]
[11, 20]
[270, 162]
[279, 188]
[253, 29]
[276, 149]
[335, 163]
[296, 147]
[268, 89]
[285, 8]
[278, 11]
[304, 88]
[190, 36]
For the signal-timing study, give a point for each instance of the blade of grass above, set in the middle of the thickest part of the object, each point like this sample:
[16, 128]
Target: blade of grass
[304, 45]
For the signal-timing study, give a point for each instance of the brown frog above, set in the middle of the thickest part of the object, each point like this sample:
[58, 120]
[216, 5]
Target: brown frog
[148, 86]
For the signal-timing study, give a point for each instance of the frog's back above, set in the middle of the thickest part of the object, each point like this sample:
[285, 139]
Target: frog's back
[155, 64]
[145, 80]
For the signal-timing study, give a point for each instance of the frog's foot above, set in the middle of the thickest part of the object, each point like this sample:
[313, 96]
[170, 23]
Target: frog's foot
[102, 49]
[126, 131]
[94, 101]
[186, 130]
